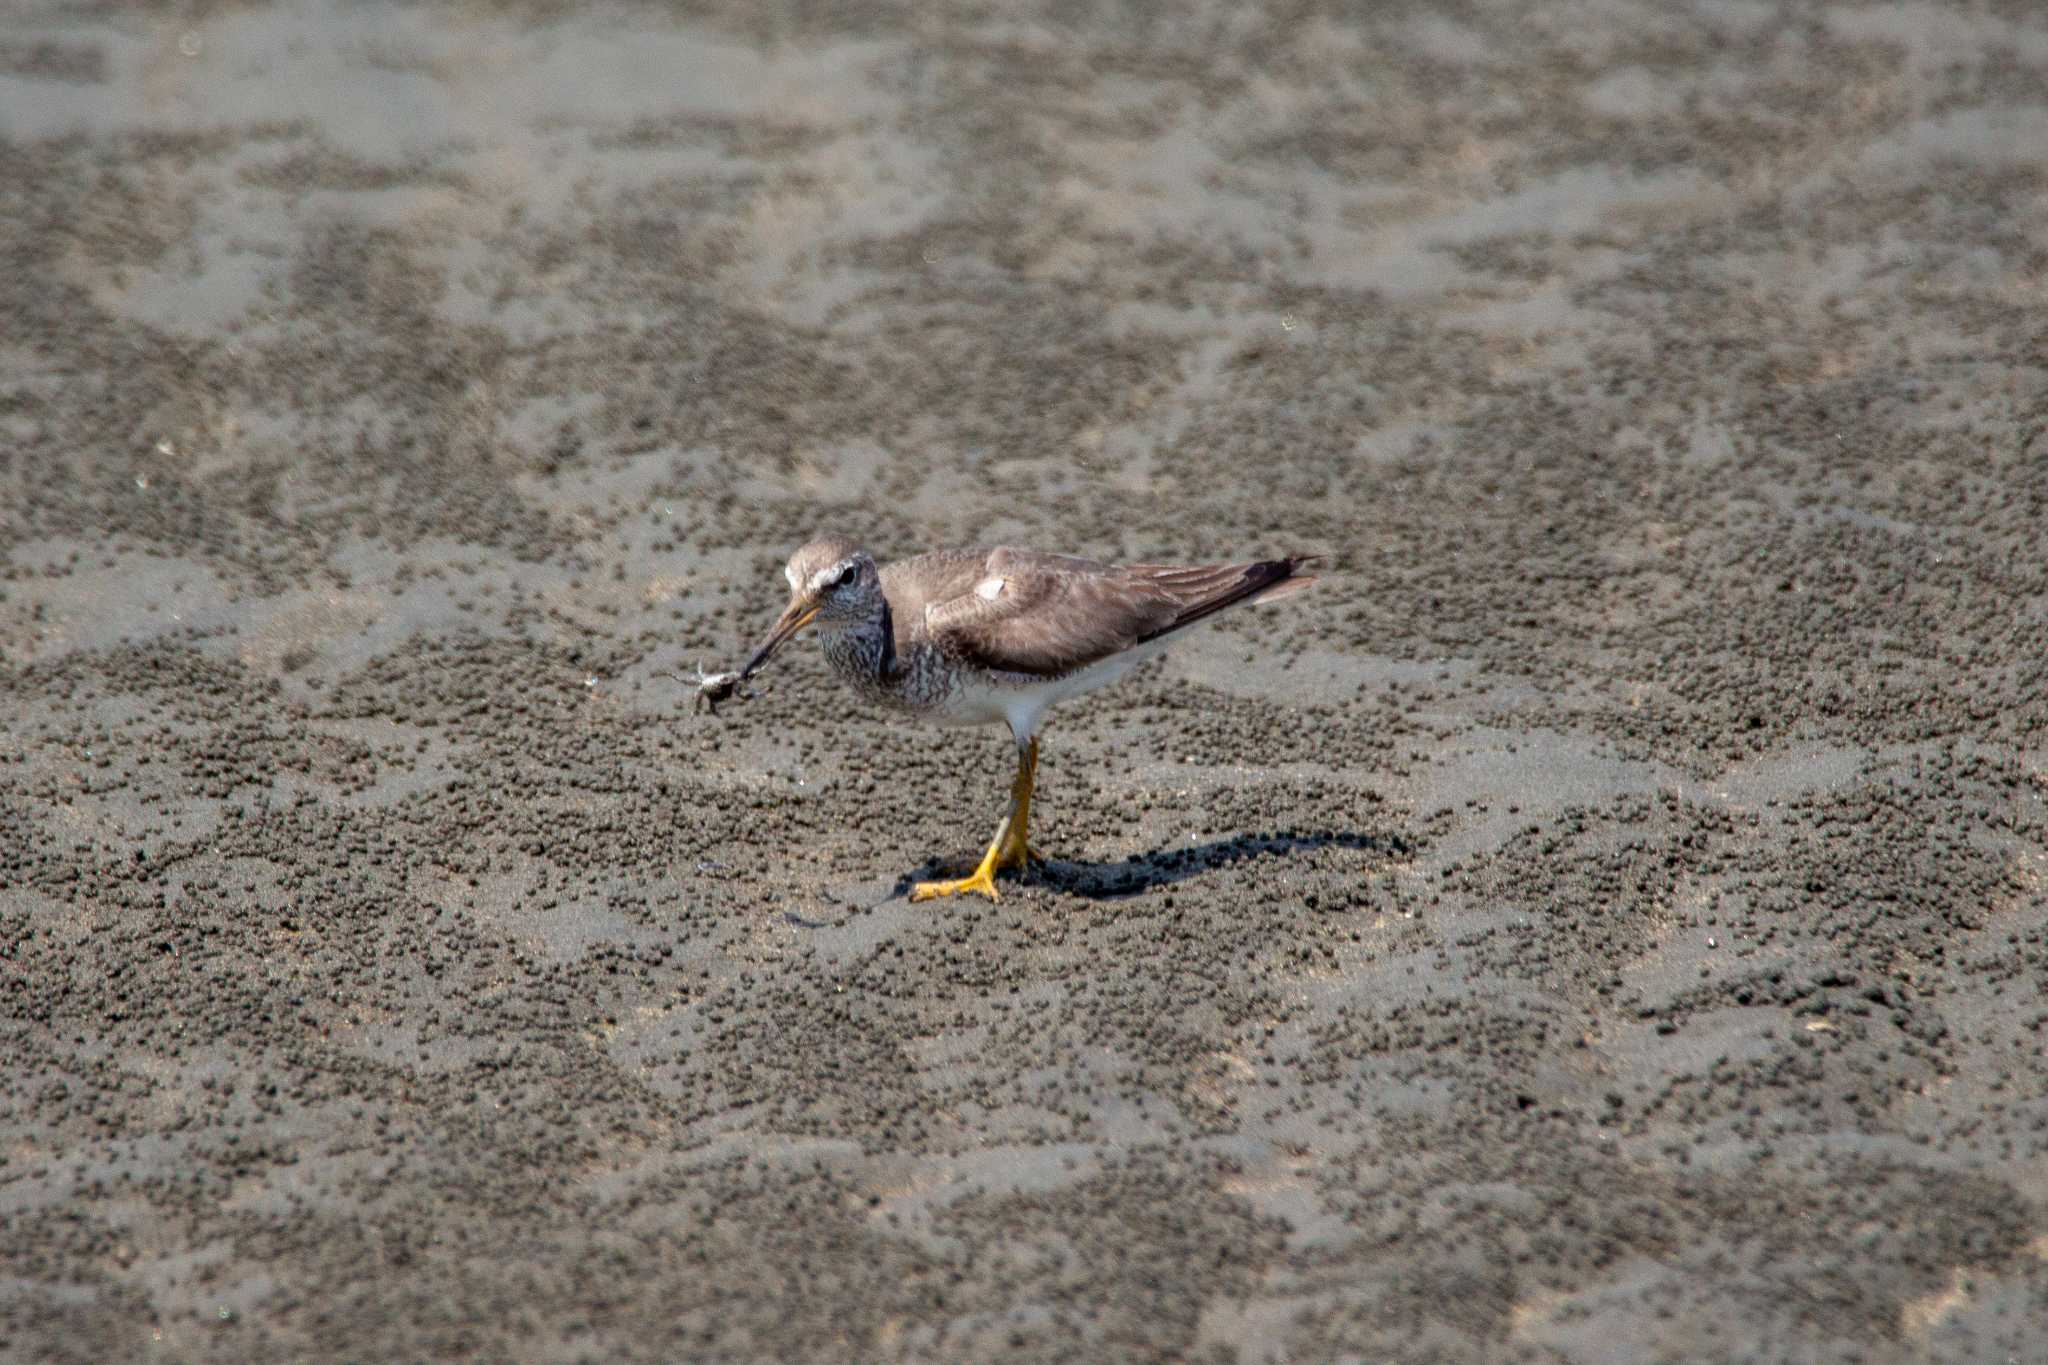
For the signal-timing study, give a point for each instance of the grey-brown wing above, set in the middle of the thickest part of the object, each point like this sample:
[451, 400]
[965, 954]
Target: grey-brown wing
[1047, 615]
[911, 585]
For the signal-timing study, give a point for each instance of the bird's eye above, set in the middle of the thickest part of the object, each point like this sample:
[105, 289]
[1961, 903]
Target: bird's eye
[845, 576]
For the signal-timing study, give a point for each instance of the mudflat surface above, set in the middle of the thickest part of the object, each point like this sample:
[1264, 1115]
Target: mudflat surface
[1602, 922]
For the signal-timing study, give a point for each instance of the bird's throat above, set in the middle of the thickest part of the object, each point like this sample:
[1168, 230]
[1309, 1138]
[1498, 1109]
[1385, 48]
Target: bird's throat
[864, 652]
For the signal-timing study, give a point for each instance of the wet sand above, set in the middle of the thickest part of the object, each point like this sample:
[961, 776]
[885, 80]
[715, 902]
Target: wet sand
[1602, 922]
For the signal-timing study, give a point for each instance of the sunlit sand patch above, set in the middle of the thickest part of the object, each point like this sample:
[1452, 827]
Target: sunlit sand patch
[1536, 1311]
[1917, 1317]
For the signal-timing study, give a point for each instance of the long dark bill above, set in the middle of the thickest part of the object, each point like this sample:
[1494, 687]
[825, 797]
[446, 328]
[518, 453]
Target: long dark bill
[793, 620]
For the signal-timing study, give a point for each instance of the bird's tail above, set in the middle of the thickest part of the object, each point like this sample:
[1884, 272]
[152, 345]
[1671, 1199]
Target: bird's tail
[1205, 589]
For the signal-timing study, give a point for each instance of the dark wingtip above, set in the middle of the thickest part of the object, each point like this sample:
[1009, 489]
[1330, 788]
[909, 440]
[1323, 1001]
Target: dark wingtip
[1266, 580]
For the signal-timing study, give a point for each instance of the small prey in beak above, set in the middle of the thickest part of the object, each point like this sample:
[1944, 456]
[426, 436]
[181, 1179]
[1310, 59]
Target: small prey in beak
[713, 688]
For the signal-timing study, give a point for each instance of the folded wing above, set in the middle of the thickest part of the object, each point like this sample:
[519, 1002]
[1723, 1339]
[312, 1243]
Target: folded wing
[1048, 615]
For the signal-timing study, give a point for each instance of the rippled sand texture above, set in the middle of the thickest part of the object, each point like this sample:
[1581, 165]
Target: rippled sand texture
[1603, 922]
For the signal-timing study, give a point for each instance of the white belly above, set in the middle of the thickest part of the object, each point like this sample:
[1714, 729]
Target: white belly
[1021, 702]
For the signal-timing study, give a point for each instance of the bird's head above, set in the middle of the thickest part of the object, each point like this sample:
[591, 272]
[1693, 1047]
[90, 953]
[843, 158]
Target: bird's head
[831, 581]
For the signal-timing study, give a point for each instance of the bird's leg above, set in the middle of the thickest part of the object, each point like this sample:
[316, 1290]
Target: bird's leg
[1008, 849]
[1017, 850]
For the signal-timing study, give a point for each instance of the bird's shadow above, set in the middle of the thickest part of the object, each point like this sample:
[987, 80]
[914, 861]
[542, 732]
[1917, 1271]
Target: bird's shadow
[1143, 872]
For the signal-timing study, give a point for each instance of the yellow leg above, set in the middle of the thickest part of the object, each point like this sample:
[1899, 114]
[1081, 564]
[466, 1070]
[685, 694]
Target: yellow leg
[1010, 848]
[1016, 850]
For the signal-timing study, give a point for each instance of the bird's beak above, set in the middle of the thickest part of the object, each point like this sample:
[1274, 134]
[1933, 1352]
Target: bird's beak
[794, 619]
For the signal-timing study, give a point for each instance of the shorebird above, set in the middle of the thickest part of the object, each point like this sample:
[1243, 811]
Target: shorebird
[971, 637]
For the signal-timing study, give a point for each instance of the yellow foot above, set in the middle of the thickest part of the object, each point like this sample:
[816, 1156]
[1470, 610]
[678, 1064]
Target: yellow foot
[982, 881]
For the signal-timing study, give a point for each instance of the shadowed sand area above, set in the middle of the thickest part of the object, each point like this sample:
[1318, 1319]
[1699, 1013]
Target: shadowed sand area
[1603, 921]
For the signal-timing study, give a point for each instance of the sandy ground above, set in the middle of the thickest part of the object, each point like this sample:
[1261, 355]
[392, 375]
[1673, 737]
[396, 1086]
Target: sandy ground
[1603, 922]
